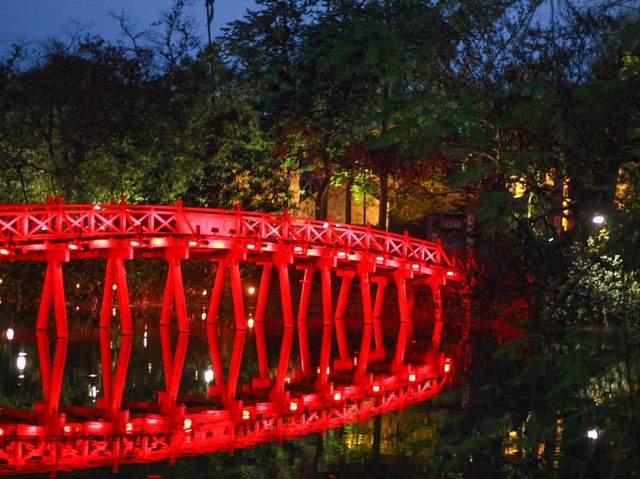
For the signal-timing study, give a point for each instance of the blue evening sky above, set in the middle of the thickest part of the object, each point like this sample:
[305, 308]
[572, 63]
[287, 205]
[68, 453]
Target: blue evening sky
[33, 20]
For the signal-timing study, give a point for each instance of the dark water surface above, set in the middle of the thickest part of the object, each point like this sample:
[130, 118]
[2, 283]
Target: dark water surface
[418, 441]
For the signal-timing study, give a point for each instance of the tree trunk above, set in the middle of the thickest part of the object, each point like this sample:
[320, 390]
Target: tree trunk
[347, 202]
[322, 199]
[384, 200]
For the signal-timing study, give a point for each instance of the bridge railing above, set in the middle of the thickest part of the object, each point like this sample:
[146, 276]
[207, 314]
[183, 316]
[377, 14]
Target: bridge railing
[60, 222]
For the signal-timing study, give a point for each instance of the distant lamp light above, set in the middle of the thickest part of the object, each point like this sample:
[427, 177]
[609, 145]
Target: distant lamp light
[251, 290]
[592, 434]
[203, 316]
[337, 396]
[598, 219]
[447, 365]
[10, 334]
[208, 376]
[21, 362]
[250, 322]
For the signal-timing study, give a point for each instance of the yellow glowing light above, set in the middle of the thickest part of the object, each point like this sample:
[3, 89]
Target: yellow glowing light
[293, 406]
[251, 290]
[246, 414]
[250, 323]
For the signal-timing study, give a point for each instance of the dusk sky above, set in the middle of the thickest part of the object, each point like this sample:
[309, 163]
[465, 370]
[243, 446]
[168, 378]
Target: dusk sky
[33, 20]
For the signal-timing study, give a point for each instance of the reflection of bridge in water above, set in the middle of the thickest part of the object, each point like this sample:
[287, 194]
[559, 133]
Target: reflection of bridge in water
[321, 394]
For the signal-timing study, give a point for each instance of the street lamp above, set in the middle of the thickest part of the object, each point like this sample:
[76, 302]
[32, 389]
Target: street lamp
[598, 219]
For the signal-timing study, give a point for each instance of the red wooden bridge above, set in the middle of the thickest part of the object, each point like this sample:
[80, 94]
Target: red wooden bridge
[321, 394]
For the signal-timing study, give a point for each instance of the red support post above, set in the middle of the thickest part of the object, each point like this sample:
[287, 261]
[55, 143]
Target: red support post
[341, 336]
[303, 310]
[174, 291]
[365, 346]
[438, 324]
[173, 365]
[116, 275]
[113, 386]
[216, 294]
[106, 359]
[283, 363]
[237, 295]
[121, 372]
[234, 367]
[216, 359]
[405, 320]
[261, 344]
[325, 353]
[53, 290]
[379, 353]
[51, 376]
[287, 312]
